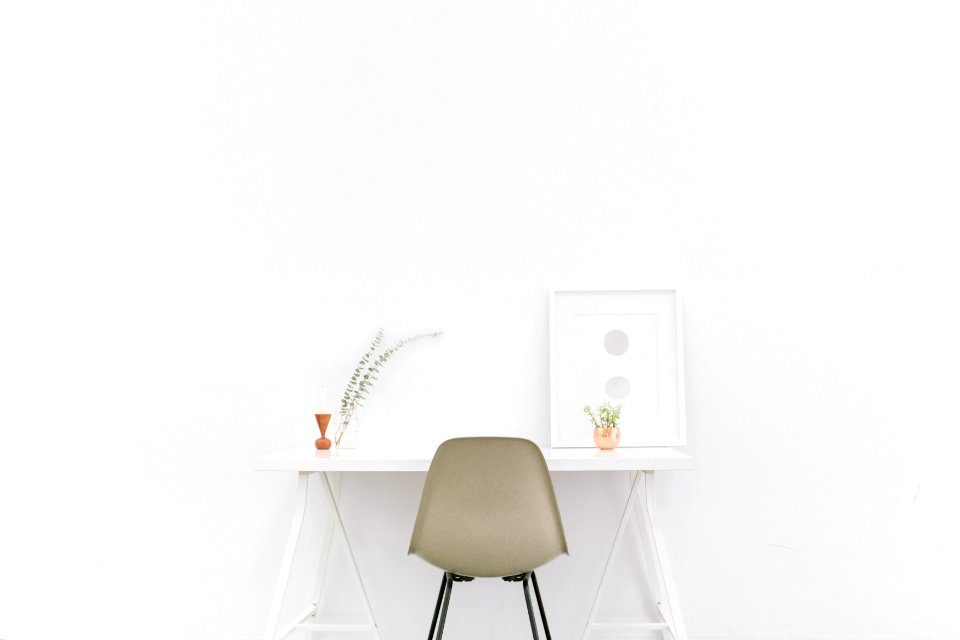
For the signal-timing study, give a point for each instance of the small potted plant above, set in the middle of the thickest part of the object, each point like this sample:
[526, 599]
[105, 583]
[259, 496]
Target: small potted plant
[606, 433]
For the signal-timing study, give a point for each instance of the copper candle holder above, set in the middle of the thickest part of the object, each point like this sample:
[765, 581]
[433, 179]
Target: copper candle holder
[323, 442]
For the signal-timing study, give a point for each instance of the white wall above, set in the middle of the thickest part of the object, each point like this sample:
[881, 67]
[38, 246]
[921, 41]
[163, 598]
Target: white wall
[208, 208]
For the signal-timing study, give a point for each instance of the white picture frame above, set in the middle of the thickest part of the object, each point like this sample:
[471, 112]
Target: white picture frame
[623, 346]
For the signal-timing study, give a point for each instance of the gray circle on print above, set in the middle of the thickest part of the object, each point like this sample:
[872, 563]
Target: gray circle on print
[617, 387]
[616, 342]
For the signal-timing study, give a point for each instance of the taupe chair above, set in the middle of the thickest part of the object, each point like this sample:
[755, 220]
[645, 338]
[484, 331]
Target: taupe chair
[488, 511]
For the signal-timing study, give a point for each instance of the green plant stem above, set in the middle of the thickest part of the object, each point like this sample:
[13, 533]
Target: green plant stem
[365, 375]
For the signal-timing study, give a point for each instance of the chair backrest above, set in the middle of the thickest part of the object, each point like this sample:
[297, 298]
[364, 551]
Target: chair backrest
[488, 509]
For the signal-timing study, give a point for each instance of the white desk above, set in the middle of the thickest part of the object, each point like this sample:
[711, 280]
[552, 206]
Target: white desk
[330, 464]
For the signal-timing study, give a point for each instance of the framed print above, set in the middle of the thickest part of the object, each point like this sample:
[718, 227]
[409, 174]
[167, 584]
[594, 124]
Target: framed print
[620, 346]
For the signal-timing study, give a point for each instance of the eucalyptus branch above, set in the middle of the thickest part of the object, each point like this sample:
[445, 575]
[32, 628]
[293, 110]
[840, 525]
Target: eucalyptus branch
[352, 386]
[369, 377]
[365, 373]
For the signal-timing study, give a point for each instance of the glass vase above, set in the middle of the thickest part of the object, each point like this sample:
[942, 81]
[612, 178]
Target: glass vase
[347, 435]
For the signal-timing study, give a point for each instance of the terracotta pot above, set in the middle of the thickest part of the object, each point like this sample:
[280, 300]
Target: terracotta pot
[606, 438]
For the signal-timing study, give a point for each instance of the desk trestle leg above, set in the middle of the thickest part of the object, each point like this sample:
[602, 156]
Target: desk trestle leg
[293, 540]
[655, 559]
[334, 521]
[667, 601]
[319, 581]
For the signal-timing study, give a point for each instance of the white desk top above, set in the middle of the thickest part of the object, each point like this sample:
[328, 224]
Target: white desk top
[309, 459]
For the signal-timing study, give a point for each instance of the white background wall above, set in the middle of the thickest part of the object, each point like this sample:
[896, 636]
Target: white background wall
[209, 207]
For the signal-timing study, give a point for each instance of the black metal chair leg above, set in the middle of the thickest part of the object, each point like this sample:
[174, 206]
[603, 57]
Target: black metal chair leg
[436, 610]
[446, 603]
[526, 594]
[543, 614]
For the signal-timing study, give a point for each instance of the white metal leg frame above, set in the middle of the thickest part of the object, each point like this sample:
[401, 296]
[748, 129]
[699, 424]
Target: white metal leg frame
[650, 541]
[299, 623]
[655, 558]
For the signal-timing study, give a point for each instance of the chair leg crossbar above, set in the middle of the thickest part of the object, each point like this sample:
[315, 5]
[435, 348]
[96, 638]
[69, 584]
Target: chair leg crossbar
[446, 587]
